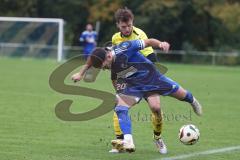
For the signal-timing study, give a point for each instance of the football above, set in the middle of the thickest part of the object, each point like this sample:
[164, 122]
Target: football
[189, 134]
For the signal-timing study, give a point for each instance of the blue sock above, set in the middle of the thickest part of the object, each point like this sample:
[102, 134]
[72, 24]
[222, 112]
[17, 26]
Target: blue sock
[124, 119]
[188, 98]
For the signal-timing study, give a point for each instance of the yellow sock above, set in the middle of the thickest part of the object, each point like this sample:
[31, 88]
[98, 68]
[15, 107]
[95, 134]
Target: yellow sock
[116, 126]
[157, 125]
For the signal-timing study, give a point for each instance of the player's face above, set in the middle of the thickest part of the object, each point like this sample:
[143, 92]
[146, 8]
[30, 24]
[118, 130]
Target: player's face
[125, 27]
[89, 27]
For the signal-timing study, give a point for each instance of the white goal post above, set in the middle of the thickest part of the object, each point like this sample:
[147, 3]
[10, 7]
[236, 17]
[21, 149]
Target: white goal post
[60, 22]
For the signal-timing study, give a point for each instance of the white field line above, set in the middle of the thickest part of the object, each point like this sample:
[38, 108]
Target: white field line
[214, 151]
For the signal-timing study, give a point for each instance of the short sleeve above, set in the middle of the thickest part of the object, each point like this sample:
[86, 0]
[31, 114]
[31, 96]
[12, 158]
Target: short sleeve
[82, 37]
[143, 35]
[134, 45]
[114, 39]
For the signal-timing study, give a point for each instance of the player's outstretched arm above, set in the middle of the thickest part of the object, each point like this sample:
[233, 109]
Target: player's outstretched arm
[157, 44]
[79, 75]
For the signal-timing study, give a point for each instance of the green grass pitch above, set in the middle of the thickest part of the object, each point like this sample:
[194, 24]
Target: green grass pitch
[30, 130]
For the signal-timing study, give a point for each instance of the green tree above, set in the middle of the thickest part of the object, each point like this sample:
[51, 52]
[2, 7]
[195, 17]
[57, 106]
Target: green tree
[201, 25]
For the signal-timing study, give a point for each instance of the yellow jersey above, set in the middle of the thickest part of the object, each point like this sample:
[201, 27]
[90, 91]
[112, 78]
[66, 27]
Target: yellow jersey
[136, 34]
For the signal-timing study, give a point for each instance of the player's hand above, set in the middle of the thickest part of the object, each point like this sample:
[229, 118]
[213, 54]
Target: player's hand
[77, 77]
[164, 46]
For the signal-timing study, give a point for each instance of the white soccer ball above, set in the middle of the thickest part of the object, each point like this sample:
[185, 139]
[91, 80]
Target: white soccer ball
[189, 134]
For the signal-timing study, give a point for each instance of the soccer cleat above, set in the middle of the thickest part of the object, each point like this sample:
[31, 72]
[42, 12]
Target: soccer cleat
[120, 146]
[129, 146]
[117, 146]
[196, 107]
[114, 150]
[162, 148]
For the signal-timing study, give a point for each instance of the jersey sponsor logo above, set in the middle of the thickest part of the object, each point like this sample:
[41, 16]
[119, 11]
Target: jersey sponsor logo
[125, 45]
[127, 72]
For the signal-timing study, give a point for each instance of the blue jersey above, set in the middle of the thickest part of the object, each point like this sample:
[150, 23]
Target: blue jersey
[135, 74]
[89, 41]
[128, 57]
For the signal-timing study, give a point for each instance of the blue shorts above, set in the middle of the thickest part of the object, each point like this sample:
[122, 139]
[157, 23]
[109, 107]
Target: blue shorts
[161, 85]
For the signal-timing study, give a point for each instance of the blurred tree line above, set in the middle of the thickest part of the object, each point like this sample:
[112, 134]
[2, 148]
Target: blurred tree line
[186, 24]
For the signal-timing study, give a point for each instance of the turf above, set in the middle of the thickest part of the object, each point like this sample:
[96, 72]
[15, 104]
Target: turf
[30, 130]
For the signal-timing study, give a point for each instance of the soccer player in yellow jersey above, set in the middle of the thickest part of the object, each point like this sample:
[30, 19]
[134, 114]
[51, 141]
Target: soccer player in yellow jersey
[124, 20]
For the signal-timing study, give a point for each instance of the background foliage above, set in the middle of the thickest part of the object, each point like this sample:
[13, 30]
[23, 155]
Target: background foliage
[190, 24]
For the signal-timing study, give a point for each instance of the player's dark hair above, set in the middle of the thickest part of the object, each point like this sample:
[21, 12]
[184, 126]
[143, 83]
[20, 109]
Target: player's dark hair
[98, 56]
[123, 15]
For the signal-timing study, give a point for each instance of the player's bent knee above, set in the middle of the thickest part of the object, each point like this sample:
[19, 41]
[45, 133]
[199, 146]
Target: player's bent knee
[155, 109]
[155, 106]
[126, 101]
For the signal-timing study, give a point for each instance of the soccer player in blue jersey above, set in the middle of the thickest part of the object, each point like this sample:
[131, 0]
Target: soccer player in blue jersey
[89, 38]
[124, 21]
[127, 31]
[137, 78]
